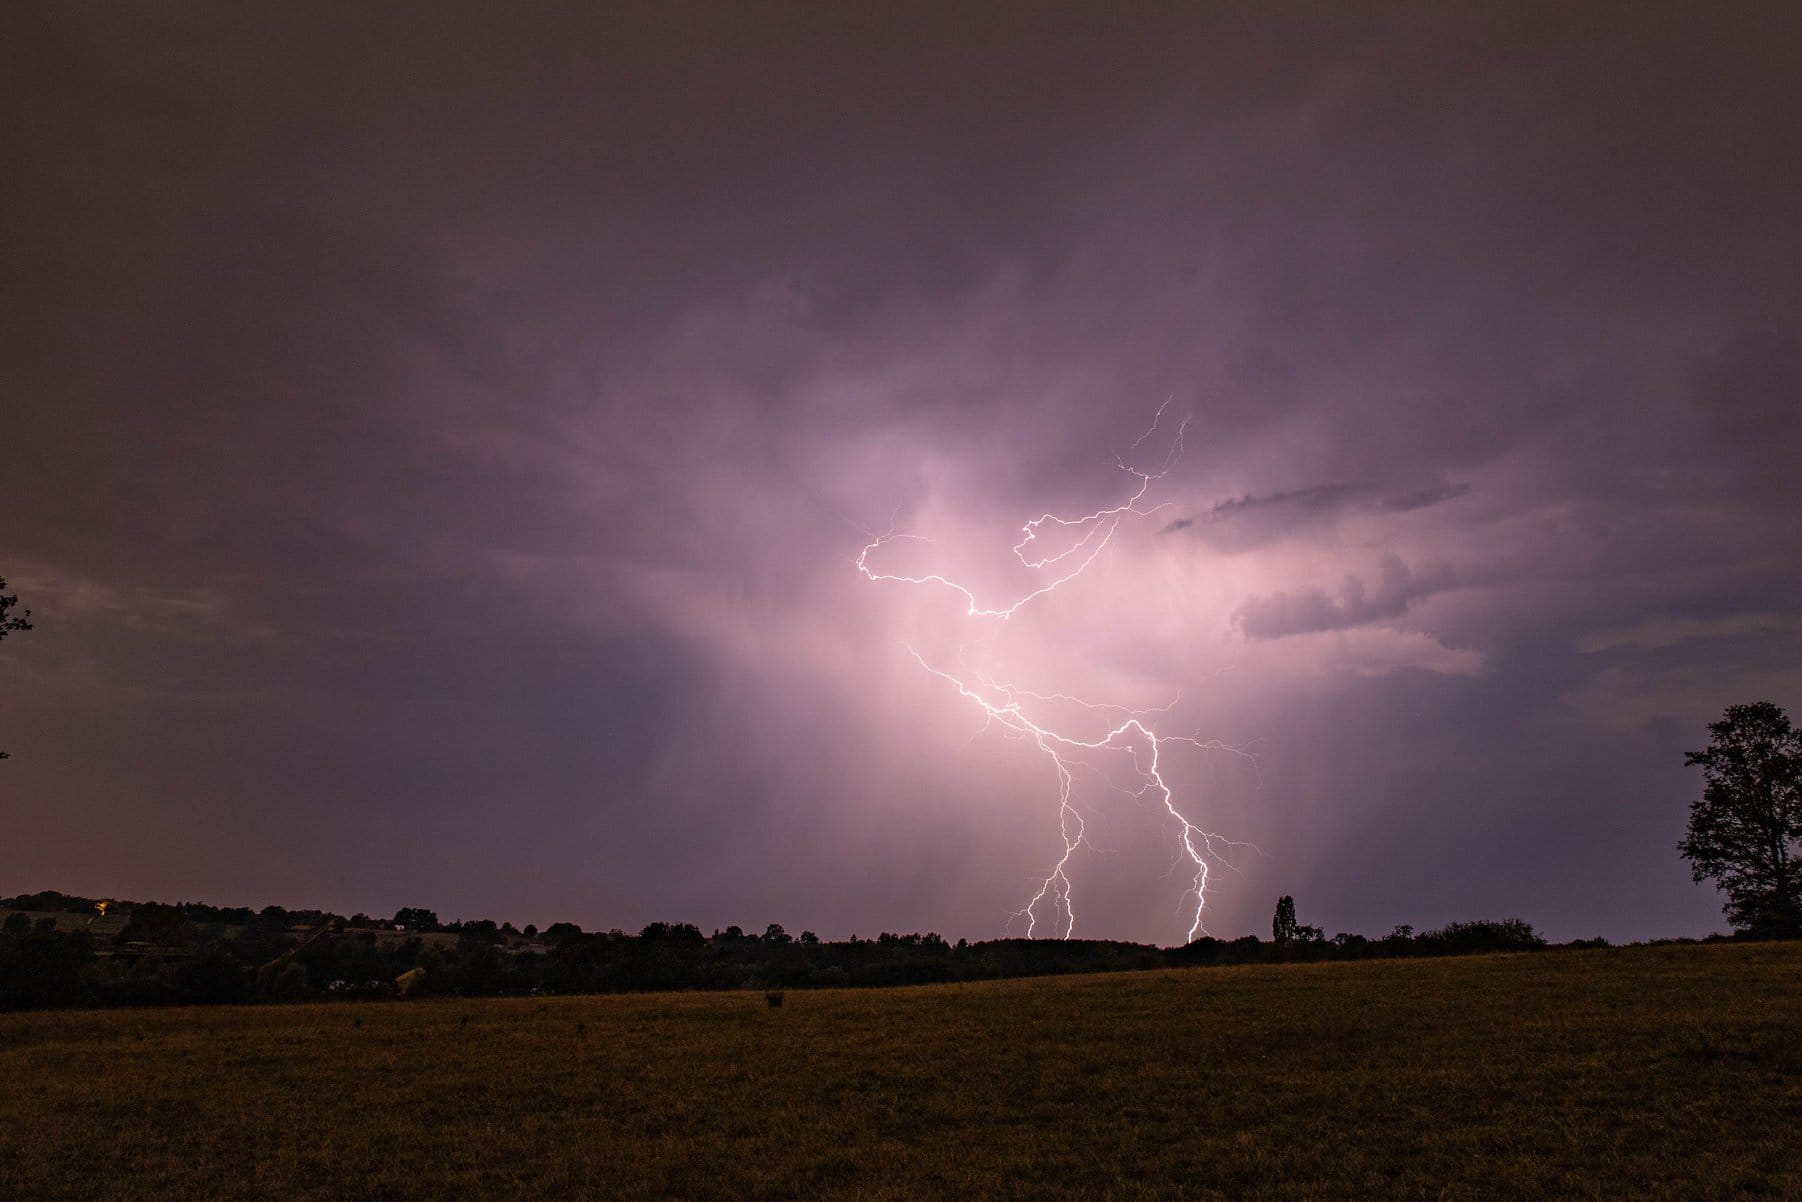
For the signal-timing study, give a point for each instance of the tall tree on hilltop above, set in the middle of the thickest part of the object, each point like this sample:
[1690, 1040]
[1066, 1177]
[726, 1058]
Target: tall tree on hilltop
[1745, 831]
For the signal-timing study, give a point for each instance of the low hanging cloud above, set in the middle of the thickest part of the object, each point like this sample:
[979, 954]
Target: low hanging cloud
[1422, 498]
[1320, 497]
[1251, 521]
[1308, 610]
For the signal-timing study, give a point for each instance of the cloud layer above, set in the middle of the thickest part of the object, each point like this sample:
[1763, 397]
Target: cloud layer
[1307, 610]
[438, 451]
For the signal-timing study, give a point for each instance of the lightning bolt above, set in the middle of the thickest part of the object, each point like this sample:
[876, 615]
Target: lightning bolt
[1097, 532]
[1123, 732]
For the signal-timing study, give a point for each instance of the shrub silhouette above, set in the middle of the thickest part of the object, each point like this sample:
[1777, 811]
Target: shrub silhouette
[1483, 935]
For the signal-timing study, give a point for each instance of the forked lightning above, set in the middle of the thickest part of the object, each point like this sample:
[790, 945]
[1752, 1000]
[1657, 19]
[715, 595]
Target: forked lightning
[1124, 731]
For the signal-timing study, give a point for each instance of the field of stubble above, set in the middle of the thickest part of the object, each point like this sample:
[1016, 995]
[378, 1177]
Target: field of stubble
[1671, 1072]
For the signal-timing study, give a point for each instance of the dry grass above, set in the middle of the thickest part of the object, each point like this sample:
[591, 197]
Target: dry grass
[1648, 1072]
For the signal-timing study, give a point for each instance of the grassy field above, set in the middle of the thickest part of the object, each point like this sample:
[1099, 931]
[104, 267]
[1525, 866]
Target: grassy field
[1671, 1072]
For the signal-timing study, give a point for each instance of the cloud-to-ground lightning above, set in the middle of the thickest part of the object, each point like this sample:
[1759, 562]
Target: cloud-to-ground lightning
[1127, 733]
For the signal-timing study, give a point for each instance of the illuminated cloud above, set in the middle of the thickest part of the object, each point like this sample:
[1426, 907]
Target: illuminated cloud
[1307, 610]
[446, 486]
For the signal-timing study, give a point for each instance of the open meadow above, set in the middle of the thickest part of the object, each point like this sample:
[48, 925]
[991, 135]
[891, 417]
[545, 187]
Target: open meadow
[1660, 1072]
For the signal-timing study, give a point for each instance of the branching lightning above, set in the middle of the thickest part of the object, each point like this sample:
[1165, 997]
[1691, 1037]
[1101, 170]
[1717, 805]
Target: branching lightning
[1097, 531]
[1124, 732]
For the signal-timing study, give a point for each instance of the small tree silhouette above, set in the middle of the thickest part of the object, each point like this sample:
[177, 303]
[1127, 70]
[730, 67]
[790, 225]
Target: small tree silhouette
[10, 624]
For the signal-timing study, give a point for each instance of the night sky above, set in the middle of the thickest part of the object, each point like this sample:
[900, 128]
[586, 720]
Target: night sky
[437, 441]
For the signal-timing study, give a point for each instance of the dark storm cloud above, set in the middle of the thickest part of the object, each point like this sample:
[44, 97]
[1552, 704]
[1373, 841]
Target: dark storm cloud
[1356, 604]
[1245, 523]
[1321, 498]
[1422, 498]
[435, 444]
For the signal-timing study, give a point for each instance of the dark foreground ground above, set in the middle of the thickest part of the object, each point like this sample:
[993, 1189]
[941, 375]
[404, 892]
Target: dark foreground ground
[1671, 1072]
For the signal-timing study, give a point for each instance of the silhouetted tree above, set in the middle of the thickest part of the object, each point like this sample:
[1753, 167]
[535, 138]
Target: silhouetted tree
[557, 932]
[1282, 927]
[479, 931]
[50, 900]
[1746, 829]
[10, 624]
[416, 918]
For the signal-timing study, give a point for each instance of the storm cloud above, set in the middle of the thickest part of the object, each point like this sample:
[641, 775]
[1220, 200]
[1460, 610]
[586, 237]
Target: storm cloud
[1356, 604]
[1437, 494]
[1246, 523]
[437, 447]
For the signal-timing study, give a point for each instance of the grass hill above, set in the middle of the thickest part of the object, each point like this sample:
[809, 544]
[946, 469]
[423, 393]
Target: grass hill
[1645, 1072]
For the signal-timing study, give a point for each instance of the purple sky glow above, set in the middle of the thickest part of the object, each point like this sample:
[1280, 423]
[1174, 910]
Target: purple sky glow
[437, 445]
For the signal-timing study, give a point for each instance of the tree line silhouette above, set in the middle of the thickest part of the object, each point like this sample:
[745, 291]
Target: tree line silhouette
[59, 950]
